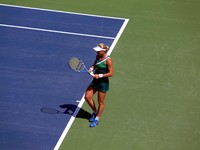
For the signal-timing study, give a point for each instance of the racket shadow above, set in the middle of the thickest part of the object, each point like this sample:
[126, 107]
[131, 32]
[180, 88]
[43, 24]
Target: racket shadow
[68, 109]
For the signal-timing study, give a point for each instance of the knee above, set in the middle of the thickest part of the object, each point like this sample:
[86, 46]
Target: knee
[87, 97]
[101, 102]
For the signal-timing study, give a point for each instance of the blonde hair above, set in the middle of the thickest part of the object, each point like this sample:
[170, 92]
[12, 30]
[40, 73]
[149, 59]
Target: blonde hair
[104, 46]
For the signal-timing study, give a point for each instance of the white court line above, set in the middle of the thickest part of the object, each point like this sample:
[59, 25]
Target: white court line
[57, 146]
[55, 31]
[73, 117]
[58, 11]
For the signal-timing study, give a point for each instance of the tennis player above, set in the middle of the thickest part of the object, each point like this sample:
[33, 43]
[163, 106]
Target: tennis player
[102, 69]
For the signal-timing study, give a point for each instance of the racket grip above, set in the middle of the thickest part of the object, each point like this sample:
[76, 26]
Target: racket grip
[91, 73]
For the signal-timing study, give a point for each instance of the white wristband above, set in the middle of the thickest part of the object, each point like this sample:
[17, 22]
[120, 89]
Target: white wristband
[100, 75]
[91, 69]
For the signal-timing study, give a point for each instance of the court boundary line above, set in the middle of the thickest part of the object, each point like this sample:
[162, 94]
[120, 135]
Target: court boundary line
[59, 11]
[55, 31]
[73, 117]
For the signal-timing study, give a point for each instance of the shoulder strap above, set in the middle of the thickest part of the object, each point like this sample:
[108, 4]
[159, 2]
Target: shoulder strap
[102, 60]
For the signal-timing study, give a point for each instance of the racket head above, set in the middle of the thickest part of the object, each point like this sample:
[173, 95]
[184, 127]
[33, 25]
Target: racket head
[76, 64]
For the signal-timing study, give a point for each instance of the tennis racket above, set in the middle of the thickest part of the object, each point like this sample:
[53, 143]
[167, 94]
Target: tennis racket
[77, 65]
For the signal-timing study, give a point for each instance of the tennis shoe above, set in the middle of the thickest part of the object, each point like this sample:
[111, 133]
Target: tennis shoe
[93, 117]
[94, 123]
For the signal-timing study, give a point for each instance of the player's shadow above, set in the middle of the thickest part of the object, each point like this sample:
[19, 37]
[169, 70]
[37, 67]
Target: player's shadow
[68, 109]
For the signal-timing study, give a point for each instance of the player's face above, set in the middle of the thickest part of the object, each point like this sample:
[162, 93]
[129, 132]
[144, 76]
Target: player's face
[100, 54]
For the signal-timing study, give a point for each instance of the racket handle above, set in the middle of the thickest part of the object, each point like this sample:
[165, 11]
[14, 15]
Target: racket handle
[91, 73]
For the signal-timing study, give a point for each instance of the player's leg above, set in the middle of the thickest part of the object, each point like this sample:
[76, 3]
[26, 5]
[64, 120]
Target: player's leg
[101, 99]
[88, 97]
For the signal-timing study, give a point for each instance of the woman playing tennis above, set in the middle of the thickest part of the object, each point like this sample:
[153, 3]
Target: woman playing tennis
[103, 69]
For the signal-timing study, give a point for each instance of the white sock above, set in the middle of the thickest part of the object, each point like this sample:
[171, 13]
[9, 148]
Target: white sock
[97, 118]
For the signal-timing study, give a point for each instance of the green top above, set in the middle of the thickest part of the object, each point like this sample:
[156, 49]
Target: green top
[101, 84]
[101, 68]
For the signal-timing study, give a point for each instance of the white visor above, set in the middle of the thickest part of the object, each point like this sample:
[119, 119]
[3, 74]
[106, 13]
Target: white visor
[97, 49]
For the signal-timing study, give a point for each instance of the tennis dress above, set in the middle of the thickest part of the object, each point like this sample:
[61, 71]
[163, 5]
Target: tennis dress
[100, 84]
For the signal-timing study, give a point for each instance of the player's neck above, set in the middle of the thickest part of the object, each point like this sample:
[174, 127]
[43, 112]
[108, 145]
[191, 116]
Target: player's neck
[103, 57]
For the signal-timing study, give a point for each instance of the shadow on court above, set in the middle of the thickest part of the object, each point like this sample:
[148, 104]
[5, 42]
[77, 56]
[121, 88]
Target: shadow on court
[69, 109]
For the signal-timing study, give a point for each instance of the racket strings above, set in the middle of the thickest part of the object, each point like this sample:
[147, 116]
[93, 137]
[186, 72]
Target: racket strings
[80, 66]
[76, 64]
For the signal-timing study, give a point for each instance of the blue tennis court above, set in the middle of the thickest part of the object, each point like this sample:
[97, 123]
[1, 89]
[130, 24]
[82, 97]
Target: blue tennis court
[39, 94]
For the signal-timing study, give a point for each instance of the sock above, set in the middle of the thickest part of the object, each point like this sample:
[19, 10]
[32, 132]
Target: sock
[97, 118]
